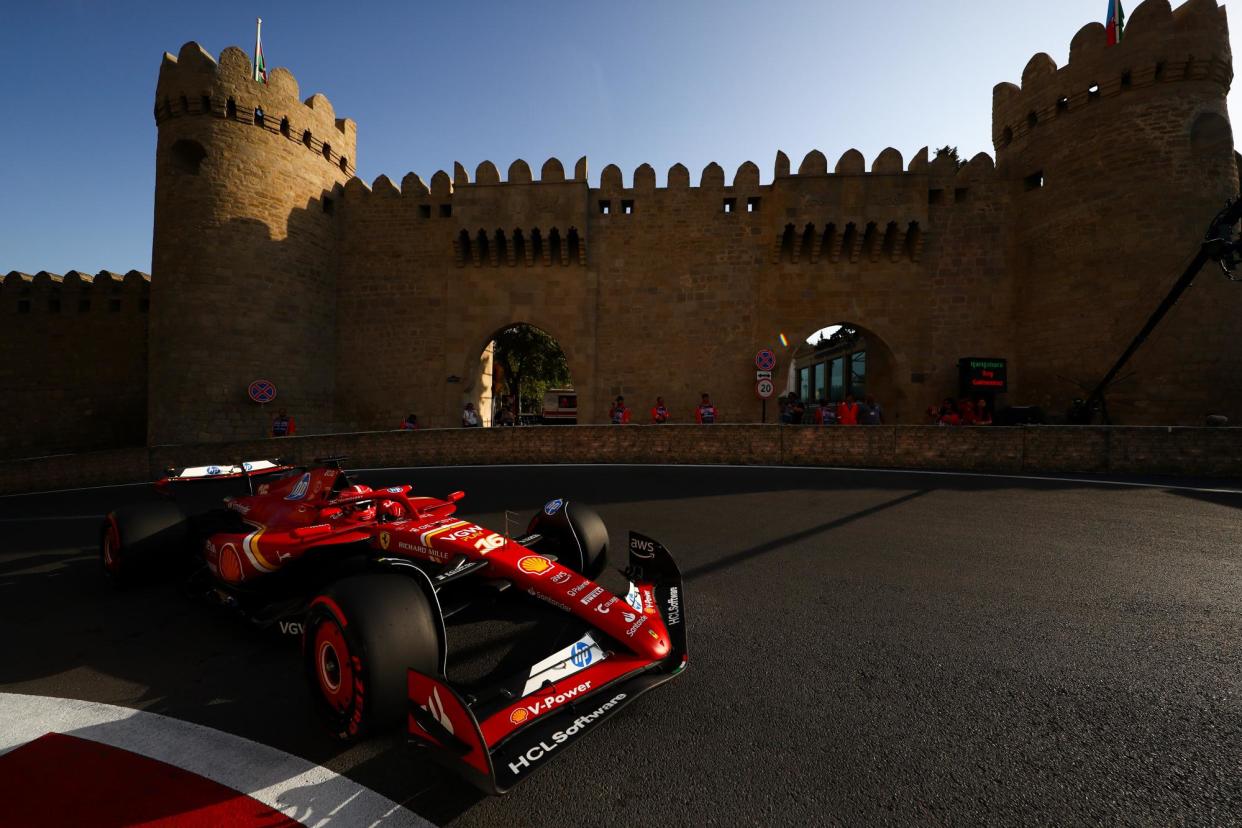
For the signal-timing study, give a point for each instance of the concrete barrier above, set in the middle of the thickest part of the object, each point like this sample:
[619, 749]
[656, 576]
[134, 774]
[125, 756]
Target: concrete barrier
[1125, 450]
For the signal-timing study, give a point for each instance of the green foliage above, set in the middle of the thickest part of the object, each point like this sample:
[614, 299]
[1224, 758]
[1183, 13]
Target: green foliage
[532, 363]
[951, 152]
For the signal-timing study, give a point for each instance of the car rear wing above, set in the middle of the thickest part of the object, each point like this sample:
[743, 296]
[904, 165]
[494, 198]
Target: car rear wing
[497, 739]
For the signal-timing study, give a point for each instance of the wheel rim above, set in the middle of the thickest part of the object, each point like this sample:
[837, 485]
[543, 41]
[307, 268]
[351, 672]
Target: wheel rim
[112, 547]
[333, 668]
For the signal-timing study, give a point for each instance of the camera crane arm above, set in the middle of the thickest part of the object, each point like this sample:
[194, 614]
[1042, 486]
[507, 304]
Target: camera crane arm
[1218, 244]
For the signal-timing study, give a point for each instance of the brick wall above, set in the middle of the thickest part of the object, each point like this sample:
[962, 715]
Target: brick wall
[1208, 452]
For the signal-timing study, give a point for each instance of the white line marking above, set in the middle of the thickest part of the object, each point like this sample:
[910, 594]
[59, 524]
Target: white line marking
[855, 469]
[298, 789]
[1093, 480]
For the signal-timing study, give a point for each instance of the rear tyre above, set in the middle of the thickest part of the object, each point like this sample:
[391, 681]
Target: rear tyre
[135, 539]
[574, 533]
[360, 637]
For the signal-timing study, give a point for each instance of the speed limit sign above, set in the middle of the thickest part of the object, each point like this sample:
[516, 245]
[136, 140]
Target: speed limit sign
[764, 388]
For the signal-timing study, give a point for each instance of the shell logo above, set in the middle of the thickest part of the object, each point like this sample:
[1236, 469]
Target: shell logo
[520, 715]
[534, 564]
[230, 566]
[385, 539]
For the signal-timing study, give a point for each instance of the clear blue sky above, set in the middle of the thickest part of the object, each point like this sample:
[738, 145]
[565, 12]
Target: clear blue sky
[662, 82]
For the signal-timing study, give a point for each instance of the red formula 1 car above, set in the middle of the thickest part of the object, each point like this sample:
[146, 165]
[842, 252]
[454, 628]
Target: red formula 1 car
[368, 577]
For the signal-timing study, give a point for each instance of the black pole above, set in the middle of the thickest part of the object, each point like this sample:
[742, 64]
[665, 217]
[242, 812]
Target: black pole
[1217, 244]
[765, 409]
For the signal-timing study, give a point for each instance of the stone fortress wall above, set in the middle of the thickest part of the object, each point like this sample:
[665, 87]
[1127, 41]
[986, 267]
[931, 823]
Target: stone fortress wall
[361, 302]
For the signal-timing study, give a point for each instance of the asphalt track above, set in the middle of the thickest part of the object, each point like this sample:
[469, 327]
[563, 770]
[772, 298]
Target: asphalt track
[865, 647]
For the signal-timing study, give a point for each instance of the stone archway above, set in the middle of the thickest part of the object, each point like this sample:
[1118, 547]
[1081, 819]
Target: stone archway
[489, 381]
[844, 357]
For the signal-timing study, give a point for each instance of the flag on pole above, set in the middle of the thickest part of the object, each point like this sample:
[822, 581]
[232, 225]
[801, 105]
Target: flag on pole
[260, 65]
[1116, 21]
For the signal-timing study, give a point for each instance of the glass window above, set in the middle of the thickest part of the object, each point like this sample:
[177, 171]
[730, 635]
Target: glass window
[805, 382]
[858, 374]
[821, 384]
[837, 387]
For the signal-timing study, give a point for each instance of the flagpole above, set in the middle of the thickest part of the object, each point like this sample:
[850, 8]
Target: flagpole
[258, 27]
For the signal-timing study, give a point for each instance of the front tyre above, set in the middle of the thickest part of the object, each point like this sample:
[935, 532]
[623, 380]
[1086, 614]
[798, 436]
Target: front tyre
[574, 533]
[360, 637]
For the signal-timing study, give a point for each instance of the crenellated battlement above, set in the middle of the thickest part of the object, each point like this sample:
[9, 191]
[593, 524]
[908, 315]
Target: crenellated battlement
[193, 84]
[851, 164]
[1161, 45]
[74, 292]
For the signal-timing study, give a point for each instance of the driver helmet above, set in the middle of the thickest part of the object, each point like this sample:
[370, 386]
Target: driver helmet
[366, 512]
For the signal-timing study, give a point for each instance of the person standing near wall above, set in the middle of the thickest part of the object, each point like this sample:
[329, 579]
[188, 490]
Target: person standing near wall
[411, 423]
[847, 411]
[706, 413]
[469, 417]
[283, 425]
[871, 412]
[619, 414]
[659, 412]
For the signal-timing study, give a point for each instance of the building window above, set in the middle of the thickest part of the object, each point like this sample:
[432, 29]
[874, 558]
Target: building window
[605, 207]
[627, 207]
[821, 381]
[1034, 181]
[752, 204]
[328, 206]
[327, 150]
[1006, 137]
[1093, 91]
[187, 156]
[205, 103]
[730, 205]
[230, 109]
[1032, 119]
[306, 137]
[284, 127]
[114, 305]
[424, 211]
[344, 164]
[144, 304]
[935, 196]
[258, 116]
[858, 374]
[836, 386]
[1063, 103]
[446, 210]
[959, 194]
[53, 305]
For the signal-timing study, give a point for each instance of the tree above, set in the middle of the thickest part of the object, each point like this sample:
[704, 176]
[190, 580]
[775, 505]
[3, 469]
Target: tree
[951, 152]
[532, 363]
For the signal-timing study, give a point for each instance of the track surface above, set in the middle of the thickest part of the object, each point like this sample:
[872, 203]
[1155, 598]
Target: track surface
[864, 647]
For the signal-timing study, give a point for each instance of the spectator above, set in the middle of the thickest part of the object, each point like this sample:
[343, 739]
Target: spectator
[871, 412]
[783, 402]
[411, 423]
[847, 411]
[826, 414]
[948, 413]
[619, 414]
[966, 410]
[797, 409]
[469, 417]
[933, 415]
[706, 413]
[505, 417]
[659, 413]
[283, 425]
[983, 414]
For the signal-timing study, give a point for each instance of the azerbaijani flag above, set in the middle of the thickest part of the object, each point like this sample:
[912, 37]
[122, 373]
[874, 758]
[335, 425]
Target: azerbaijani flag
[260, 65]
[1116, 21]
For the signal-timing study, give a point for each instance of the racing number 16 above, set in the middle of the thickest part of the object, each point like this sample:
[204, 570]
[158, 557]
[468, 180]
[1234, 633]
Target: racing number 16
[489, 543]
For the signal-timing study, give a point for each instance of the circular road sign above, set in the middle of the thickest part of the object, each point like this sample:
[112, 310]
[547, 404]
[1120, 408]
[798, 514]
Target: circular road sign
[765, 360]
[262, 391]
[764, 388]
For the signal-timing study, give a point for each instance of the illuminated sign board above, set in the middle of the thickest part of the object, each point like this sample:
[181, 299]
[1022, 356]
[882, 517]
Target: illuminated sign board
[982, 374]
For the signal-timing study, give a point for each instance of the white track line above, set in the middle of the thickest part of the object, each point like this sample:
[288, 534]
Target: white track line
[50, 517]
[308, 793]
[854, 469]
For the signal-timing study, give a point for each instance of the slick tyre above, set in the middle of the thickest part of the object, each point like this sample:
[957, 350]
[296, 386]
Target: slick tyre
[139, 540]
[360, 637]
[574, 533]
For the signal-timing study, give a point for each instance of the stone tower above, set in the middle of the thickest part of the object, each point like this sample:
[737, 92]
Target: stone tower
[244, 257]
[1117, 162]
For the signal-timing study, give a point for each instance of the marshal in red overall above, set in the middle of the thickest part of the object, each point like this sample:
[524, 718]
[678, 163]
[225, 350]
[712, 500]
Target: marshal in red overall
[367, 578]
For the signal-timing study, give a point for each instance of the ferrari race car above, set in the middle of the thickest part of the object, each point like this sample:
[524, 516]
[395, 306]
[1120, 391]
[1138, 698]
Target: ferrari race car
[368, 577]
